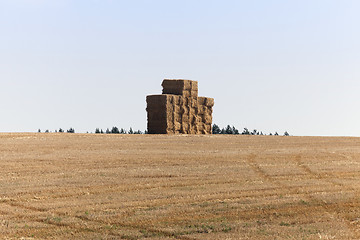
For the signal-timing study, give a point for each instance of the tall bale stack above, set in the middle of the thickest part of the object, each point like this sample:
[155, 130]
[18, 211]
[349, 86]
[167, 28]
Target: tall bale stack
[179, 109]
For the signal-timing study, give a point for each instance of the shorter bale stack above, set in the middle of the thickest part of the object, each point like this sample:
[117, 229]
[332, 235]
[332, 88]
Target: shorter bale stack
[179, 109]
[185, 88]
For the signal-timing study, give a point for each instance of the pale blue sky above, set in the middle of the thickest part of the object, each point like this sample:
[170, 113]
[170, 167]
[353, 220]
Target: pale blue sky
[271, 65]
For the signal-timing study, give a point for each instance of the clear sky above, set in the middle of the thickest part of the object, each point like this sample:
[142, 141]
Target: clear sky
[270, 65]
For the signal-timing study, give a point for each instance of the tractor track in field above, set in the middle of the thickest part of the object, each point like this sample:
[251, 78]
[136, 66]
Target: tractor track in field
[329, 208]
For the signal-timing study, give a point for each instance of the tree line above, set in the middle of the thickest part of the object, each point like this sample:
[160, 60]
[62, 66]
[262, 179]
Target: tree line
[116, 130]
[232, 130]
[215, 130]
[70, 130]
[113, 130]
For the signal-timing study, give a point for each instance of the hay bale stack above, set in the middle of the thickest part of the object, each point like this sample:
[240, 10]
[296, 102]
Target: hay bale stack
[179, 109]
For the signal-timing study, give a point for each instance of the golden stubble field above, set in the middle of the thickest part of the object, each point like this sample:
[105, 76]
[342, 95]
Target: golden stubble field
[89, 186]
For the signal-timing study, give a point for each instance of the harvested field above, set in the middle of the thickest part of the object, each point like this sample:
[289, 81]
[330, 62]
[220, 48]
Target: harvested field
[92, 186]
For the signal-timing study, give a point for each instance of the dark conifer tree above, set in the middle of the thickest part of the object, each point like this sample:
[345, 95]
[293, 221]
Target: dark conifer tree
[115, 130]
[235, 131]
[71, 130]
[228, 130]
[216, 129]
[245, 132]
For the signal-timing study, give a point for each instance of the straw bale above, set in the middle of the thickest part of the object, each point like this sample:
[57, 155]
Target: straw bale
[192, 111]
[201, 100]
[156, 99]
[201, 118]
[209, 102]
[177, 126]
[184, 110]
[200, 127]
[185, 127]
[178, 118]
[175, 87]
[189, 93]
[186, 84]
[176, 99]
[194, 86]
[177, 109]
[201, 109]
[194, 103]
[208, 128]
[207, 118]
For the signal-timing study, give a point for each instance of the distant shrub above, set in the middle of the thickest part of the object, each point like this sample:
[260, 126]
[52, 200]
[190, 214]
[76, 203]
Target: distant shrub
[216, 129]
[245, 132]
[131, 131]
[115, 130]
[71, 130]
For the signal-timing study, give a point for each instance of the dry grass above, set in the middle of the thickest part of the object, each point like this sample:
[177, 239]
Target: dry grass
[83, 186]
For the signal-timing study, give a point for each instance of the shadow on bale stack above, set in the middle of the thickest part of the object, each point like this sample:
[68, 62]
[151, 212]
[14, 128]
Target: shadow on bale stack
[179, 109]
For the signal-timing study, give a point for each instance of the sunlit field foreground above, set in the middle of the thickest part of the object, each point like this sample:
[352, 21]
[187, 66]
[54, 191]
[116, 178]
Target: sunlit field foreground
[92, 186]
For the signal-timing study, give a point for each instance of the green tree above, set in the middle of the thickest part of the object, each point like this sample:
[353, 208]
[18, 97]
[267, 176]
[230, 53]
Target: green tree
[115, 130]
[245, 132]
[228, 130]
[71, 130]
[235, 131]
[216, 129]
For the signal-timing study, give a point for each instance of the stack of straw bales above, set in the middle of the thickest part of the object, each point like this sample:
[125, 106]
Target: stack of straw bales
[179, 109]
